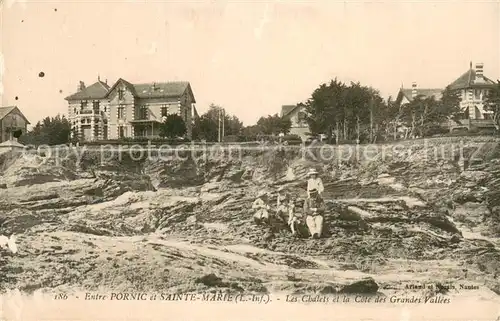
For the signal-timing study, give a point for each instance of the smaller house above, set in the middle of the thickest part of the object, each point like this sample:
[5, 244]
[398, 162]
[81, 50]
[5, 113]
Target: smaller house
[297, 115]
[11, 120]
[406, 95]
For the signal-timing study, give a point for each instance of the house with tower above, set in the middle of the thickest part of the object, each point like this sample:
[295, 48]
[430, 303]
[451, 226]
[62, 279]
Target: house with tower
[127, 110]
[472, 87]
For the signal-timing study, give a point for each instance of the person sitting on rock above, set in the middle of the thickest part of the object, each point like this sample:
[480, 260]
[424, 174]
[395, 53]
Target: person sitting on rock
[314, 182]
[296, 220]
[314, 209]
[282, 204]
[261, 208]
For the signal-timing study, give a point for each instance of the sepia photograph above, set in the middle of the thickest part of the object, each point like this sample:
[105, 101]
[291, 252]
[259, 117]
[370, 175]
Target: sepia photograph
[295, 160]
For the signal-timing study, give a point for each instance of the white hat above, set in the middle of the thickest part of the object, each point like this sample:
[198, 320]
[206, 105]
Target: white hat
[312, 171]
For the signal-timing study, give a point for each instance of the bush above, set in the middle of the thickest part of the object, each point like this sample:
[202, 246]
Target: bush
[231, 138]
[292, 139]
[436, 130]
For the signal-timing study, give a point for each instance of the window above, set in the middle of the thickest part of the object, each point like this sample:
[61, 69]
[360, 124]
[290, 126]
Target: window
[83, 104]
[74, 110]
[487, 116]
[95, 104]
[143, 112]
[121, 112]
[477, 94]
[164, 110]
[121, 93]
[301, 116]
[121, 132]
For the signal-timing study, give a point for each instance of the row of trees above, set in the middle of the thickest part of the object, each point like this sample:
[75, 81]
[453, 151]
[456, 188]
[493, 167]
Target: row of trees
[353, 111]
[211, 123]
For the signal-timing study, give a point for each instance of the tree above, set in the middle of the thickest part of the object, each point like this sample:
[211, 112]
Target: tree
[173, 127]
[424, 113]
[50, 131]
[492, 103]
[273, 125]
[207, 126]
[449, 104]
[343, 111]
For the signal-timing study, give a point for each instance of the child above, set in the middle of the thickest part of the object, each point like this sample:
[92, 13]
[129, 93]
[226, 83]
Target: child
[261, 208]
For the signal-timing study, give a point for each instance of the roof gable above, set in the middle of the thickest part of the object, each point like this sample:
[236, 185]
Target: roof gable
[4, 111]
[422, 92]
[287, 109]
[128, 85]
[156, 90]
[98, 90]
[468, 79]
[161, 90]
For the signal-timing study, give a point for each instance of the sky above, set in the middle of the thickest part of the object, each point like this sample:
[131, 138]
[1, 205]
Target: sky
[250, 57]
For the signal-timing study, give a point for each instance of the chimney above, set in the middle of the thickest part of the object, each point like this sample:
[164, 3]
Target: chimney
[413, 90]
[81, 86]
[154, 86]
[479, 69]
[106, 81]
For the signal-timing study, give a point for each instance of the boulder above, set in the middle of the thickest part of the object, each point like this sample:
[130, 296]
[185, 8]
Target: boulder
[471, 213]
[365, 286]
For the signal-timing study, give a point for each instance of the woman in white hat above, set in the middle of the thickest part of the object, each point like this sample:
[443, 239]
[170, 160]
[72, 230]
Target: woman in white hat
[314, 182]
[261, 208]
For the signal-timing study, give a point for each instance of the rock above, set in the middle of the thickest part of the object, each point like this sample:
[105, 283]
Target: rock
[327, 289]
[365, 286]
[475, 177]
[456, 238]
[3, 186]
[191, 220]
[471, 213]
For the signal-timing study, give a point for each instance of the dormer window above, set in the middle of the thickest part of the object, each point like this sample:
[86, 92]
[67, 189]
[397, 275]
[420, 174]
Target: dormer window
[83, 104]
[95, 104]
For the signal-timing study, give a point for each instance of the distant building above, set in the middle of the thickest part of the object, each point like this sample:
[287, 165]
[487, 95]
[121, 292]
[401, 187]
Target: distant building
[473, 87]
[406, 95]
[101, 112]
[297, 115]
[11, 120]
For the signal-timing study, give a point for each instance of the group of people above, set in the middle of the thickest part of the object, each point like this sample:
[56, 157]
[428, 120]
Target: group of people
[310, 218]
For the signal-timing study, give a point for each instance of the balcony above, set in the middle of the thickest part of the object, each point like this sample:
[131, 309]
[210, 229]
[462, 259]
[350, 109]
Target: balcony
[89, 112]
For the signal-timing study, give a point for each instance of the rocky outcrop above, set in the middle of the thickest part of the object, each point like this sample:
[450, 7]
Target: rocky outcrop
[186, 224]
